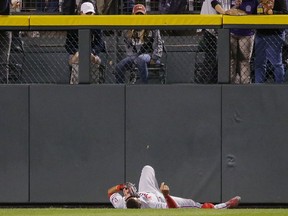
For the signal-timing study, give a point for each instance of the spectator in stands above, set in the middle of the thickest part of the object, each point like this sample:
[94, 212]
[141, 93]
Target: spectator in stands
[4, 7]
[72, 40]
[143, 47]
[5, 42]
[241, 43]
[68, 7]
[268, 46]
[172, 6]
[16, 41]
[15, 6]
[49, 6]
[45, 6]
[207, 72]
[212, 7]
[101, 6]
[127, 6]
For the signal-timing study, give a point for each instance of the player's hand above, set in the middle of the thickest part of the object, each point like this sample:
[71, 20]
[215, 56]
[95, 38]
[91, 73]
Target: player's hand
[164, 189]
[120, 187]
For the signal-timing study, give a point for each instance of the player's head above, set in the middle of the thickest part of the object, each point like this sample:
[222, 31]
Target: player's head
[131, 196]
[133, 202]
[139, 9]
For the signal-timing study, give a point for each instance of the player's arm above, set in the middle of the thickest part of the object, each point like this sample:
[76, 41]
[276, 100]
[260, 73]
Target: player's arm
[115, 189]
[170, 201]
[117, 201]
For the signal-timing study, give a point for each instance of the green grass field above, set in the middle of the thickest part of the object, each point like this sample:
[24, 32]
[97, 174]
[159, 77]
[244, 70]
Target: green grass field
[138, 212]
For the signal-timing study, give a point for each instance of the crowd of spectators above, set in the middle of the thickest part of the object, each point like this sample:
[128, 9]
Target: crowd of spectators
[267, 47]
[111, 6]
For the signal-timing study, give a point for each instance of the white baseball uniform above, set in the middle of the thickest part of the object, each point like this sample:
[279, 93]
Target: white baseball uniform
[150, 195]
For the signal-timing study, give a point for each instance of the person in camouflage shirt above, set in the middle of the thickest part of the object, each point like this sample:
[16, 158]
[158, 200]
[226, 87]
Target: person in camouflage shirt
[143, 47]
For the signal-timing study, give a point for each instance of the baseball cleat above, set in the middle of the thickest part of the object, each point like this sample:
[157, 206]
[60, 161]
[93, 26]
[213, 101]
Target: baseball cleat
[234, 202]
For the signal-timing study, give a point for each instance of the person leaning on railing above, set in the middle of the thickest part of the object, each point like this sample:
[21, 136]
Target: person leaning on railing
[269, 44]
[207, 71]
[241, 43]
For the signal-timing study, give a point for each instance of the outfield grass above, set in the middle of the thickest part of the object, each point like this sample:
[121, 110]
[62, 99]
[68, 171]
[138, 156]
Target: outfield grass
[139, 212]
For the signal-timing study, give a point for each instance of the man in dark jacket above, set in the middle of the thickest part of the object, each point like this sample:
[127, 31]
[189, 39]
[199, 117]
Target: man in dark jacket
[68, 7]
[268, 46]
[4, 7]
[72, 42]
[173, 6]
[50, 6]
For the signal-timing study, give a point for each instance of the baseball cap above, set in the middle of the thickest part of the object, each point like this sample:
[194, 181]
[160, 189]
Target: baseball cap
[87, 7]
[139, 8]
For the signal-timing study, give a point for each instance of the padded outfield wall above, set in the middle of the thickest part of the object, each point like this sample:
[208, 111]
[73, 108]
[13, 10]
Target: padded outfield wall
[70, 143]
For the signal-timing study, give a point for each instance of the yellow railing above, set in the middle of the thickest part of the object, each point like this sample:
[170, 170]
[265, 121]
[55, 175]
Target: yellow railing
[148, 20]
[256, 20]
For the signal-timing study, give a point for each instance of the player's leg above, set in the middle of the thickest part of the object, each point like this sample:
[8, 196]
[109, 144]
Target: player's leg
[148, 181]
[208, 206]
[189, 203]
[232, 203]
[186, 203]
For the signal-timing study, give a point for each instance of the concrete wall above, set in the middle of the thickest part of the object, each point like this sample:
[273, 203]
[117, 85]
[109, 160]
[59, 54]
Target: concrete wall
[69, 144]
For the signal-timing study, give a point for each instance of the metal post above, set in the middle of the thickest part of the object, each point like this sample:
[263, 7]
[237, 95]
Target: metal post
[223, 52]
[84, 55]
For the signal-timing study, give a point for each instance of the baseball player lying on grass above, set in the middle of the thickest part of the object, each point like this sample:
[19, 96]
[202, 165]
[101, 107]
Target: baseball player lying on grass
[151, 196]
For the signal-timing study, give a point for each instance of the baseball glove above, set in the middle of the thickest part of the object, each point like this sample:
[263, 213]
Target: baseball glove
[268, 6]
[235, 12]
[132, 189]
